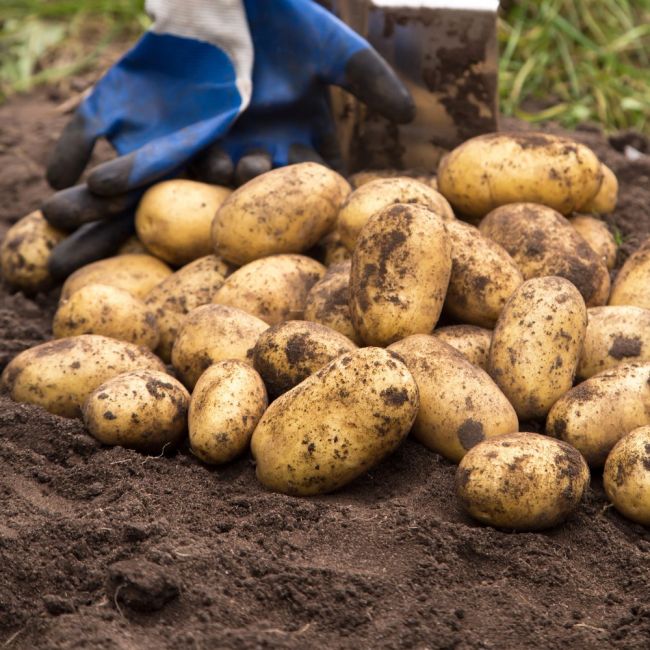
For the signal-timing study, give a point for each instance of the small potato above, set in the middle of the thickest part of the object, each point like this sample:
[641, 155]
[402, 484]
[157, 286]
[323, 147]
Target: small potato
[614, 335]
[273, 288]
[286, 210]
[536, 344]
[59, 375]
[499, 168]
[459, 404]
[137, 274]
[25, 252]
[213, 333]
[143, 409]
[597, 413]
[132, 246]
[227, 403]
[367, 176]
[333, 250]
[604, 201]
[471, 341]
[336, 424]
[289, 352]
[377, 195]
[174, 219]
[483, 276]
[400, 272]
[627, 475]
[522, 481]
[596, 233]
[632, 284]
[109, 311]
[542, 242]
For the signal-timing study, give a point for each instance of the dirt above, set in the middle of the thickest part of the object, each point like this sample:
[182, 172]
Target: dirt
[107, 548]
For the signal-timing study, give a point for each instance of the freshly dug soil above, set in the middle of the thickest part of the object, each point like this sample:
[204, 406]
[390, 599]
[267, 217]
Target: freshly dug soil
[107, 548]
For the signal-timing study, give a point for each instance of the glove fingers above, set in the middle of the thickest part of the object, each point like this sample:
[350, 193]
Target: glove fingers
[212, 165]
[252, 164]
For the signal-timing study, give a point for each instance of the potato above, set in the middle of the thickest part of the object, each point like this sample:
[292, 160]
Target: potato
[627, 475]
[286, 210]
[522, 481]
[142, 409]
[213, 333]
[59, 375]
[483, 276]
[536, 344]
[367, 176]
[400, 272]
[471, 341]
[632, 284]
[25, 253]
[542, 242]
[596, 233]
[109, 311]
[604, 201]
[333, 250]
[137, 274]
[499, 168]
[174, 219]
[273, 288]
[336, 424]
[614, 335]
[597, 413]
[377, 195]
[190, 287]
[132, 246]
[227, 403]
[289, 352]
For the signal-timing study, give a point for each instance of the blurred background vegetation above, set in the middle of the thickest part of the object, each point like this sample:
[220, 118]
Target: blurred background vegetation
[572, 61]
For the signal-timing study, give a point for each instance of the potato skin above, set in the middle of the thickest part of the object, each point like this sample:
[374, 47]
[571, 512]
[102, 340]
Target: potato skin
[227, 403]
[286, 210]
[596, 233]
[298, 451]
[273, 288]
[289, 352]
[367, 176]
[144, 410]
[132, 246]
[59, 375]
[605, 199]
[495, 169]
[471, 341]
[627, 475]
[597, 413]
[522, 481]
[632, 284]
[400, 272]
[536, 344]
[213, 333]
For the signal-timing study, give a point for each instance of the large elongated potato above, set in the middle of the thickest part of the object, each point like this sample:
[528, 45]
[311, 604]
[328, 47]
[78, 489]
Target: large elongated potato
[59, 375]
[471, 341]
[400, 272]
[542, 242]
[286, 210]
[604, 201]
[499, 168]
[596, 233]
[536, 344]
[632, 284]
[273, 288]
[370, 400]
[597, 413]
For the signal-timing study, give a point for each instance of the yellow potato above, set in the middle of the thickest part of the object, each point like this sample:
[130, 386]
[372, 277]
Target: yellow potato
[522, 481]
[632, 284]
[471, 341]
[227, 403]
[174, 219]
[132, 246]
[596, 233]
[604, 201]
[367, 176]
[333, 250]
[400, 272]
[336, 424]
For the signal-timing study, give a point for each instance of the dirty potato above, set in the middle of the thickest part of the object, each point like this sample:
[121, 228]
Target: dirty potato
[596, 233]
[367, 176]
[471, 341]
[632, 284]
[332, 249]
[605, 199]
[132, 246]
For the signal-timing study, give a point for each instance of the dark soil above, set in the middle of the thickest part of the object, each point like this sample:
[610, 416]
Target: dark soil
[107, 548]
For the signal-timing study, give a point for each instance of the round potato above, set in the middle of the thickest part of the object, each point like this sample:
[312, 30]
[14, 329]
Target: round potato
[109, 311]
[632, 284]
[605, 199]
[627, 475]
[597, 413]
[522, 481]
[286, 210]
[25, 252]
[333, 250]
[379, 194]
[213, 333]
[59, 375]
[400, 272]
[471, 341]
[499, 168]
[174, 219]
[596, 233]
[536, 344]
[289, 352]
[336, 424]
[273, 288]
[143, 409]
[227, 403]
[367, 176]
[132, 246]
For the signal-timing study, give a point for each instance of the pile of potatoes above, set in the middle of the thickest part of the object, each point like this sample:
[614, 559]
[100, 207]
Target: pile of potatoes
[319, 325]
